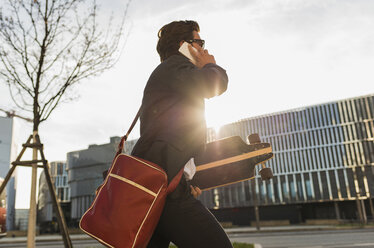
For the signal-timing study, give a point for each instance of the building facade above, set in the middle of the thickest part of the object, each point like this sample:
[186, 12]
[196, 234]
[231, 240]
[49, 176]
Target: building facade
[323, 165]
[59, 176]
[8, 153]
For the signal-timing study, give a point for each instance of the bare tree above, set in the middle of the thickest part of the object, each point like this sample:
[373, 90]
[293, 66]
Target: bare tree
[47, 46]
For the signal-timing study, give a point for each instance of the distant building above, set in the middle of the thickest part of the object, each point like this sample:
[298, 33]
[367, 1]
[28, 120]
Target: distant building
[8, 153]
[46, 217]
[323, 165]
[85, 168]
[21, 219]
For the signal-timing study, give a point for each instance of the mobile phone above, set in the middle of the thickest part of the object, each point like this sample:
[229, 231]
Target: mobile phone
[186, 52]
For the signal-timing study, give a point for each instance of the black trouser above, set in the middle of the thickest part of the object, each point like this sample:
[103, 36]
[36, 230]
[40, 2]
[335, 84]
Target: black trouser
[184, 220]
[188, 224]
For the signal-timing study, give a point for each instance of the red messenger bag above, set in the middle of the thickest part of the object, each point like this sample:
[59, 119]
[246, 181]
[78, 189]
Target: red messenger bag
[129, 203]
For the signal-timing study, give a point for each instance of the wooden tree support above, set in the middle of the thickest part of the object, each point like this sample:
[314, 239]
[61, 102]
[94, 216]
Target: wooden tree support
[42, 163]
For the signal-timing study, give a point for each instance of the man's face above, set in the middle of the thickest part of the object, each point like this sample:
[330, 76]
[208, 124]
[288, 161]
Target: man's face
[196, 36]
[197, 43]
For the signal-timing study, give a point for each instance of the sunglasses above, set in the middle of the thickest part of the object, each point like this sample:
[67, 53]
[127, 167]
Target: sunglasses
[201, 43]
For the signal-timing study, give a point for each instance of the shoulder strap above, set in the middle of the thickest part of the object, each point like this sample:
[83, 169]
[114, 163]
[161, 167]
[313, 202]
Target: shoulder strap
[174, 182]
[124, 138]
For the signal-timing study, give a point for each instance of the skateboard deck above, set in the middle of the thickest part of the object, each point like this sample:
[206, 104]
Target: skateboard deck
[227, 161]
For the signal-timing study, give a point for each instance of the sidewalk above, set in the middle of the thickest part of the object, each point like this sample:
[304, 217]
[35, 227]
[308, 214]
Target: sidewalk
[233, 230]
[293, 228]
[289, 228]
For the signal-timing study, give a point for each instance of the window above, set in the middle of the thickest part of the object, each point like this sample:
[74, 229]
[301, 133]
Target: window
[262, 190]
[356, 154]
[285, 190]
[302, 120]
[309, 118]
[290, 162]
[299, 187]
[307, 165]
[308, 188]
[342, 185]
[270, 192]
[340, 113]
[315, 117]
[318, 152]
[332, 150]
[333, 184]
[327, 134]
[369, 107]
[337, 113]
[316, 185]
[274, 124]
[293, 121]
[358, 109]
[321, 118]
[292, 186]
[319, 137]
[247, 190]
[353, 109]
[329, 160]
[267, 126]
[325, 187]
[59, 168]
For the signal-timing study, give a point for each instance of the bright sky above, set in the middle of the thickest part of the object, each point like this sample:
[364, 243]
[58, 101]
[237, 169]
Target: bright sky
[279, 55]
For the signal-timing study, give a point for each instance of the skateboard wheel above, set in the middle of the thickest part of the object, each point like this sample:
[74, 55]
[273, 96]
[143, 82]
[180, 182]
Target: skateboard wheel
[254, 138]
[266, 173]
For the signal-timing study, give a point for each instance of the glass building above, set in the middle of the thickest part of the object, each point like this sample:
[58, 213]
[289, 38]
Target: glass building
[323, 165]
[46, 215]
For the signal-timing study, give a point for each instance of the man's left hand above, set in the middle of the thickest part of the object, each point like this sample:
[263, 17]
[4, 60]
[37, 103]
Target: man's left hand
[195, 191]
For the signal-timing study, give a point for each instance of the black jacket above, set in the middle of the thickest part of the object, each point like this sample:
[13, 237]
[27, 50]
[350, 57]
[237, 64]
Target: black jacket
[173, 106]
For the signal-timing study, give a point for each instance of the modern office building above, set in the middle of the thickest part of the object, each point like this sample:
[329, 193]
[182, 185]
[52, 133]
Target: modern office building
[59, 176]
[85, 168]
[323, 165]
[8, 153]
[46, 216]
[21, 219]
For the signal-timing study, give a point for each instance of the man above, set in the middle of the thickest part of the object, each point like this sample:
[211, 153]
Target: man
[173, 130]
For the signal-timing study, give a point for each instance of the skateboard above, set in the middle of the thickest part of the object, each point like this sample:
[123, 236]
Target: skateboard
[231, 160]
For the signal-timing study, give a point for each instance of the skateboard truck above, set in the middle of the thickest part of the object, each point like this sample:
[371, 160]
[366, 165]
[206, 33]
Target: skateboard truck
[266, 173]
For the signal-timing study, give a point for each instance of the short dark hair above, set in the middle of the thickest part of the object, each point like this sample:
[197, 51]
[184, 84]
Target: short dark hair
[172, 34]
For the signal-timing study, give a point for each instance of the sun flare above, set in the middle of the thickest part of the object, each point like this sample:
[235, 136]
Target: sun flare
[214, 115]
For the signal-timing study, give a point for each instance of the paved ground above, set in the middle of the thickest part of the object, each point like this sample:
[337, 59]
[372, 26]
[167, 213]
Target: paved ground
[318, 236]
[310, 239]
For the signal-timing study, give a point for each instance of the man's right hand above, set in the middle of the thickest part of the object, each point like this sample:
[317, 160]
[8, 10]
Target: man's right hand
[201, 56]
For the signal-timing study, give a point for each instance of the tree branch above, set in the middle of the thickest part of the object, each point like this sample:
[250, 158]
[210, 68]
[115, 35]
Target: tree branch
[51, 45]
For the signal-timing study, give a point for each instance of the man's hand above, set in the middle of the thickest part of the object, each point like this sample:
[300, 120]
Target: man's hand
[201, 56]
[195, 191]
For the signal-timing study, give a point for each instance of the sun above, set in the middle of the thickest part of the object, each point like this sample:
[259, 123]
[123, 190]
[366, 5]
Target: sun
[214, 115]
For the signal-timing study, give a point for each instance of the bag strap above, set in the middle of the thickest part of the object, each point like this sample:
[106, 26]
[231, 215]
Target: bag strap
[175, 181]
[124, 138]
